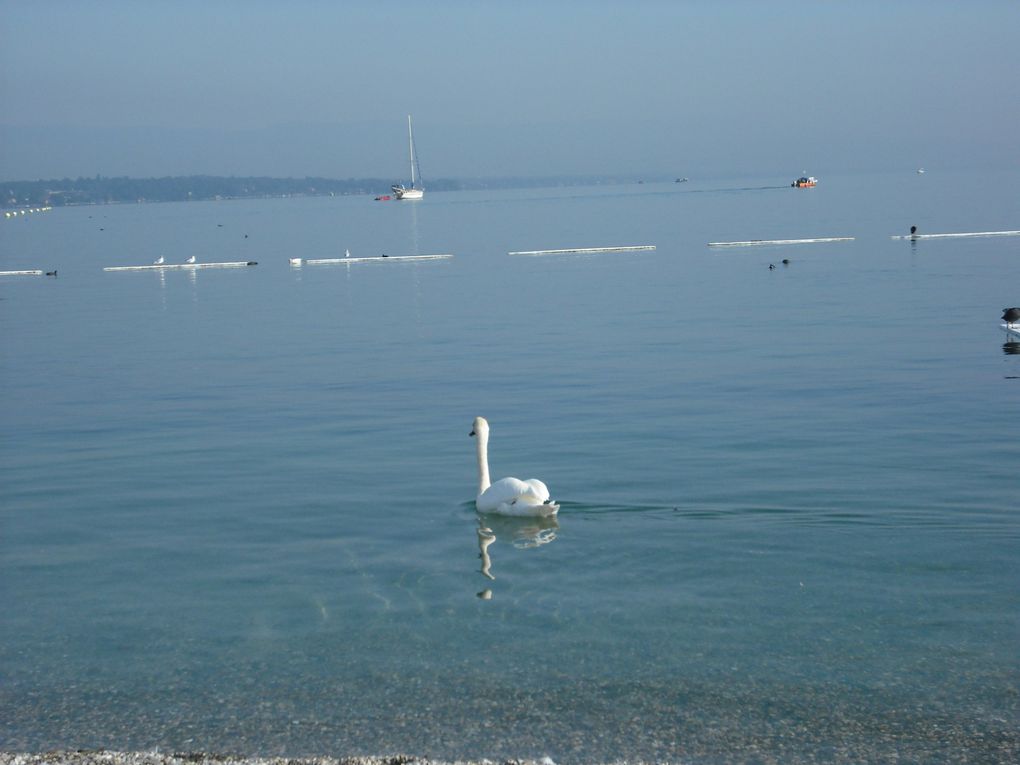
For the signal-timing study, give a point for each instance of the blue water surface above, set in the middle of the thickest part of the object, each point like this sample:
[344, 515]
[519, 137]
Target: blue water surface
[236, 507]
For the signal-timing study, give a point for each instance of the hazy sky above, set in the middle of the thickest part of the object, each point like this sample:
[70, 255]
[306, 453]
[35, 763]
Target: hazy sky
[545, 87]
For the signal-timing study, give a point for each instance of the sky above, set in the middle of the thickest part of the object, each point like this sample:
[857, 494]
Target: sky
[528, 88]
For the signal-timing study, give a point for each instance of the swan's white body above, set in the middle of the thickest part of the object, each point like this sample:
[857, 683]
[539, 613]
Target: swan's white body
[507, 496]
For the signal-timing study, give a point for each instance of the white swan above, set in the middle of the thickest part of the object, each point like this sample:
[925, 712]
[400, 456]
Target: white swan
[508, 496]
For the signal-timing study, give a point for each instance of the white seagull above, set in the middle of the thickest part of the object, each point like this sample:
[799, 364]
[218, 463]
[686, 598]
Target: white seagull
[158, 261]
[190, 260]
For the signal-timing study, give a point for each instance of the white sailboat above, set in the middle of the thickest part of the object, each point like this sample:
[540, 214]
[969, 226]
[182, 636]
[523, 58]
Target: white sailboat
[414, 192]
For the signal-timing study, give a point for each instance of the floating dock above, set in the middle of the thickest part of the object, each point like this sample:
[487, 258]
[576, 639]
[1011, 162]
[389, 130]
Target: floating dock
[16, 213]
[1011, 329]
[369, 259]
[586, 250]
[958, 236]
[182, 266]
[760, 242]
[21, 273]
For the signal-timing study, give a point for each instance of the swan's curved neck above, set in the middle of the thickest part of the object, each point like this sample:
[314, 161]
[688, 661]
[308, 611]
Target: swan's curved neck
[483, 460]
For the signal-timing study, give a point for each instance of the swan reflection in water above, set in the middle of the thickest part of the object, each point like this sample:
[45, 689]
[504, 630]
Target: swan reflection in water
[485, 538]
[523, 534]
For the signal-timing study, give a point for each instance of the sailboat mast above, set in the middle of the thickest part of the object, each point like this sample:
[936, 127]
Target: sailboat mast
[410, 146]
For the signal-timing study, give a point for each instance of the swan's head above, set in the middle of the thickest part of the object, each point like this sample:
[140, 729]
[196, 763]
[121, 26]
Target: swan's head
[480, 427]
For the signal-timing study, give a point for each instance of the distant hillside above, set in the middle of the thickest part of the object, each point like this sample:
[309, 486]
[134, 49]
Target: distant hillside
[101, 190]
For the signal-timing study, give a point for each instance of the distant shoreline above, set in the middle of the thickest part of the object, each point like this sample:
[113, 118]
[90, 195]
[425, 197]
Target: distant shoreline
[101, 190]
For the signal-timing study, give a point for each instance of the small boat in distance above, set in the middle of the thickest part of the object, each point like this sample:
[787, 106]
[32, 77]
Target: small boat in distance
[805, 182]
[414, 192]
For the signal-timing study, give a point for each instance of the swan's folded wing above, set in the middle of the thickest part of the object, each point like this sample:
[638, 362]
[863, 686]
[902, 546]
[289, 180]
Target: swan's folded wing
[537, 490]
[534, 500]
[503, 491]
[512, 496]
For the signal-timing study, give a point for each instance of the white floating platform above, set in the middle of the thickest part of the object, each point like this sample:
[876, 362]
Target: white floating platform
[182, 266]
[759, 242]
[958, 236]
[586, 250]
[21, 273]
[369, 259]
[1012, 329]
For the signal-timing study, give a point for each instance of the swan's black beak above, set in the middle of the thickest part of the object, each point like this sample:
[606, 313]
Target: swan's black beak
[472, 432]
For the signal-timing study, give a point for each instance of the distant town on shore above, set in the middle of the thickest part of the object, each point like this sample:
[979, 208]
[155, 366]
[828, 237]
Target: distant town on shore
[103, 190]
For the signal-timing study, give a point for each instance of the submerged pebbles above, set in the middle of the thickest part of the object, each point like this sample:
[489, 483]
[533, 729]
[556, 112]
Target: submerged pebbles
[106, 757]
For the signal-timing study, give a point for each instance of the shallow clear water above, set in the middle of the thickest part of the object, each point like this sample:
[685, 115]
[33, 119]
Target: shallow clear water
[237, 505]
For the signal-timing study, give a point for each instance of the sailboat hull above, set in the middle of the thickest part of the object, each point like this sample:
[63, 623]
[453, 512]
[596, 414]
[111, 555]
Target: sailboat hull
[402, 193]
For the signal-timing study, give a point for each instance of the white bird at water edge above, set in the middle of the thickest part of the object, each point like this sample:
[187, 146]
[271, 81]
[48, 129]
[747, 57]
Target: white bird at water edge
[158, 261]
[190, 260]
[508, 496]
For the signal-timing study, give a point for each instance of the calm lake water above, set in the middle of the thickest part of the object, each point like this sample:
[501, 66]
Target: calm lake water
[236, 507]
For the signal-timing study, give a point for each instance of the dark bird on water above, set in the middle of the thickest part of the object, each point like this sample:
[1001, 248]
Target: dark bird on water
[52, 273]
[913, 230]
[1011, 315]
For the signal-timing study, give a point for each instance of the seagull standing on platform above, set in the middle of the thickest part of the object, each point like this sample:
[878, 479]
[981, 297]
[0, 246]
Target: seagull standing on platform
[190, 260]
[158, 261]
